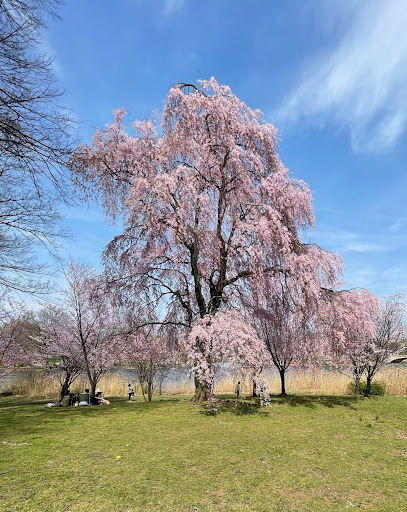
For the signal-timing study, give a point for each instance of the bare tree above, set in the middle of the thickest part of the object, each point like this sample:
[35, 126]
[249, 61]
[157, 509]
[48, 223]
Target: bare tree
[36, 136]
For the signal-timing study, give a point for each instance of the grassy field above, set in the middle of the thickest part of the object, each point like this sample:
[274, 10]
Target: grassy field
[304, 453]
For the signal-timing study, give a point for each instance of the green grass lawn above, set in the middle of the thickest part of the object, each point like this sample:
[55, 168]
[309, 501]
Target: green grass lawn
[300, 454]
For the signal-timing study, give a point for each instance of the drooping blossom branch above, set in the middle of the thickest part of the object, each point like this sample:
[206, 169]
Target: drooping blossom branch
[207, 205]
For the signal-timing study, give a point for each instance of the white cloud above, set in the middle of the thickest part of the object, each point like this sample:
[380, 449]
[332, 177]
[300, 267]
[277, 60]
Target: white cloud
[365, 247]
[360, 84]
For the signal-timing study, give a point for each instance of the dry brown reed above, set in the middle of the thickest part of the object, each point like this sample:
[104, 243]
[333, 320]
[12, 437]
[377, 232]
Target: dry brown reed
[34, 383]
[320, 382]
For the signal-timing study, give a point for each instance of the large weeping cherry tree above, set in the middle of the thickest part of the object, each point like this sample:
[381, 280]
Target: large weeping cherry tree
[207, 207]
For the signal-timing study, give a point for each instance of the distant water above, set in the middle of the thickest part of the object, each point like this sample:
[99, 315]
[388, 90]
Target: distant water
[179, 375]
[174, 376]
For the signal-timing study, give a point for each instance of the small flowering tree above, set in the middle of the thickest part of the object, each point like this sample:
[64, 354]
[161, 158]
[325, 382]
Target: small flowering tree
[150, 357]
[349, 327]
[285, 310]
[58, 347]
[285, 333]
[388, 337]
[95, 329]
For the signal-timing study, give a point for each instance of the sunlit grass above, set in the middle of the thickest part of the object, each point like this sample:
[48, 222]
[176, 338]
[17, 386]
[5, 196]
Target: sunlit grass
[304, 453]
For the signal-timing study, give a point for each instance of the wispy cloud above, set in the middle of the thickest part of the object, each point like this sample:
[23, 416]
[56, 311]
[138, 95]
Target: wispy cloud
[47, 49]
[398, 224]
[347, 241]
[360, 84]
[83, 214]
[382, 280]
[371, 260]
[172, 6]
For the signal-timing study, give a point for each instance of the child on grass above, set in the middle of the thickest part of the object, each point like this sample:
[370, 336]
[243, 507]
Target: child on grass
[237, 390]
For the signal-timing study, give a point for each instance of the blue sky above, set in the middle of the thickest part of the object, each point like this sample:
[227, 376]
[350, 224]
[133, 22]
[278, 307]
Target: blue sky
[331, 75]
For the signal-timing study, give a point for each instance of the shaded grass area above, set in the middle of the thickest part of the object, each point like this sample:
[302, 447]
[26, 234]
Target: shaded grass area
[302, 453]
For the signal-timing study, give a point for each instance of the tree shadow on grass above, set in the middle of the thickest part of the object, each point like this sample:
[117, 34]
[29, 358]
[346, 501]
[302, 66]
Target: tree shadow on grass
[312, 401]
[27, 414]
[237, 407]
[115, 402]
[252, 406]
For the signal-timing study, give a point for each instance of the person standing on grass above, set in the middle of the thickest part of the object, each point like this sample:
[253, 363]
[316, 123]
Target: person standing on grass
[237, 390]
[130, 391]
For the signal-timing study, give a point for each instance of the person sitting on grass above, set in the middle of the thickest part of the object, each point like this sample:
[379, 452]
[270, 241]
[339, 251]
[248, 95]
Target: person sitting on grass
[100, 398]
[95, 400]
[84, 398]
[67, 400]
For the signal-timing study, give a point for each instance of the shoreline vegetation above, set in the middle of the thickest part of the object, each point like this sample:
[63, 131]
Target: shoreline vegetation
[37, 384]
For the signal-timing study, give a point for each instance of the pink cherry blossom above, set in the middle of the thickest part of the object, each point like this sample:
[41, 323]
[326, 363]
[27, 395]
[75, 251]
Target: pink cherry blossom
[16, 325]
[209, 212]
[150, 357]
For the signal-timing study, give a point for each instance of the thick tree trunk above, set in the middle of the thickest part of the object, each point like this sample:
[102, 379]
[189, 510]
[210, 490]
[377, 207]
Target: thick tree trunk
[282, 378]
[254, 388]
[202, 391]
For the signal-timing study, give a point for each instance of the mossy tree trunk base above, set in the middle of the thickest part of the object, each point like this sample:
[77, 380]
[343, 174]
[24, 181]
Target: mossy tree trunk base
[202, 391]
